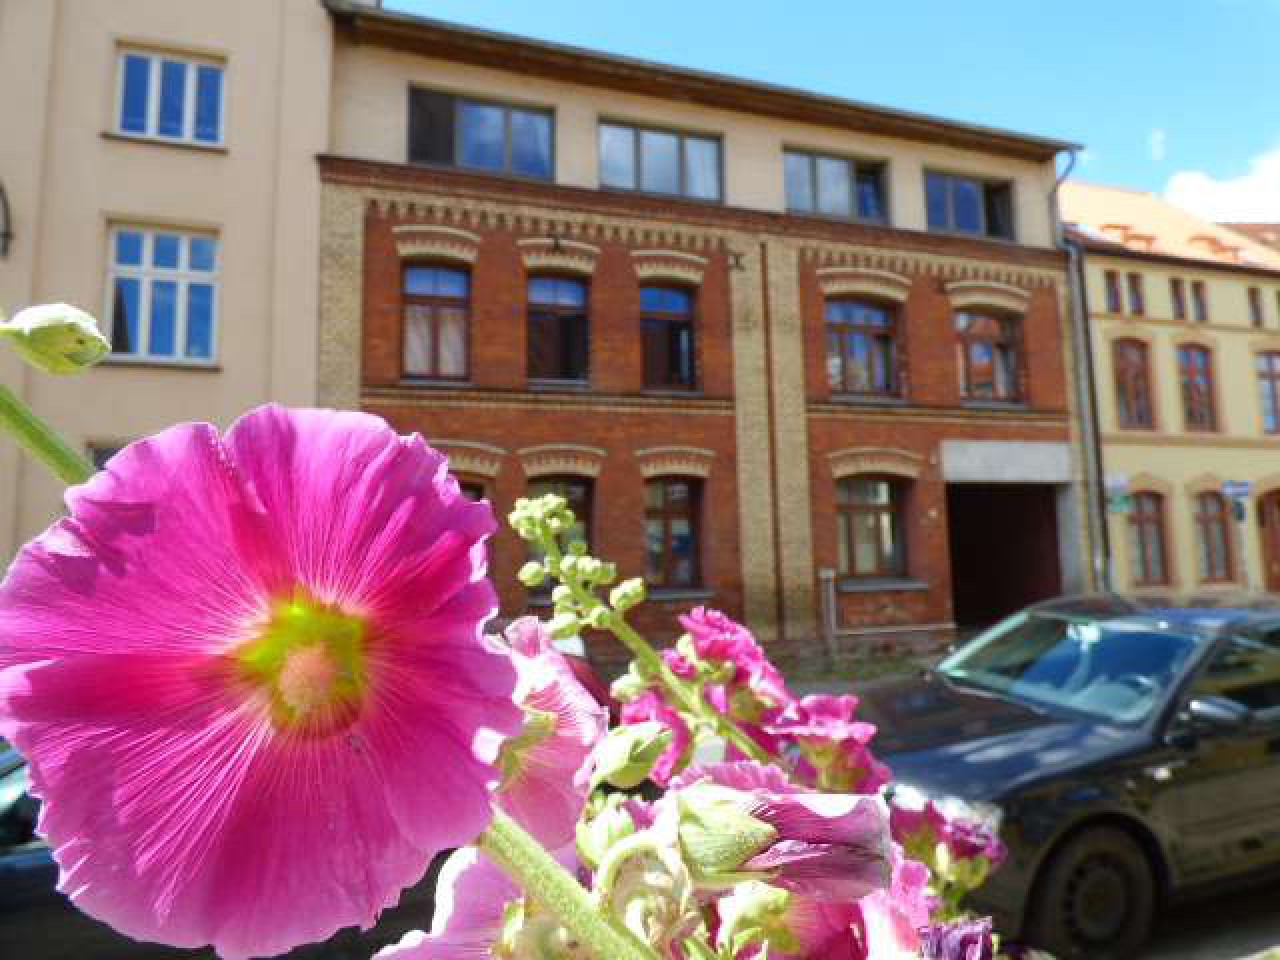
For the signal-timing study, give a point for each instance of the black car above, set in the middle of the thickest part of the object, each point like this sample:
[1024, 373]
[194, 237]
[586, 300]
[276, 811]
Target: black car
[1130, 750]
[39, 923]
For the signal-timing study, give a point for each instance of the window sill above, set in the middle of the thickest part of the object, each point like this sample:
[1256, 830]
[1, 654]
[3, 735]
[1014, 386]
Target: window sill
[483, 172]
[969, 235]
[654, 195]
[671, 391]
[554, 386]
[434, 383]
[198, 367]
[870, 399]
[994, 404]
[837, 218]
[164, 142]
[677, 594]
[897, 584]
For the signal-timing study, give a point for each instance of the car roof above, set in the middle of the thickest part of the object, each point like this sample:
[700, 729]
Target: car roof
[1203, 614]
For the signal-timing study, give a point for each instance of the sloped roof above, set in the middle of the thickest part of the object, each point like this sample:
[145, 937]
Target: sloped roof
[1267, 233]
[1111, 219]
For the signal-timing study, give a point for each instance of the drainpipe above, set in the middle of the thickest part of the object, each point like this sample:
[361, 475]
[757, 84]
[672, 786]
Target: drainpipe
[1086, 390]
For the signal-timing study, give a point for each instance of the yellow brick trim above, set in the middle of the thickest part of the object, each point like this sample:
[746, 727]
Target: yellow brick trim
[1150, 483]
[987, 293]
[1204, 483]
[843, 281]
[853, 461]
[465, 456]
[414, 241]
[675, 461]
[555, 458]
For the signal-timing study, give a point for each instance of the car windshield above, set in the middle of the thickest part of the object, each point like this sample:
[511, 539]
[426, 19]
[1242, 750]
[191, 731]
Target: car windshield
[1116, 670]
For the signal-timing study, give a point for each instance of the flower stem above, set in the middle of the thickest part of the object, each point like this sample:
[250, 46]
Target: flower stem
[542, 878]
[39, 439]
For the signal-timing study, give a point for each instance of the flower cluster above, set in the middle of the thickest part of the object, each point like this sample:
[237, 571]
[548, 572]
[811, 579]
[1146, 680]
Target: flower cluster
[252, 678]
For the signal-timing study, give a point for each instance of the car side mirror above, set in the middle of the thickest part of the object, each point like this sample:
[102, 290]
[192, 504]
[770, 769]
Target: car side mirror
[1213, 714]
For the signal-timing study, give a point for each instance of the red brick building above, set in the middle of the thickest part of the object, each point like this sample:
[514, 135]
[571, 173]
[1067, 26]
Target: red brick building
[805, 360]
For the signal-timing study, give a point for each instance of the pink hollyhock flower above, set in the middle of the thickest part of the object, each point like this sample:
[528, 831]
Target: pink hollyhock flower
[918, 828]
[962, 940]
[832, 744]
[737, 775]
[650, 706]
[717, 637]
[970, 839]
[546, 770]
[250, 675]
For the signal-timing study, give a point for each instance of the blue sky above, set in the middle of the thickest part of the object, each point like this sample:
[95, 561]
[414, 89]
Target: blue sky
[1186, 91]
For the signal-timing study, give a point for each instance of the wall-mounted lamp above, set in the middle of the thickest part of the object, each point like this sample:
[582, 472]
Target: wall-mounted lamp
[6, 223]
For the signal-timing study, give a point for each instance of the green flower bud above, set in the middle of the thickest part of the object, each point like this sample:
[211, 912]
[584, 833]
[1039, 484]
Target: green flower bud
[577, 548]
[755, 913]
[532, 574]
[599, 831]
[564, 625]
[599, 617]
[629, 685]
[56, 338]
[561, 596]
[627, 754]
[627, 594]
[647, 887]
[716, 835]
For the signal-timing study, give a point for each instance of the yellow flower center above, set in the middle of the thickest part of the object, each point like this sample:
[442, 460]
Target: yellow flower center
[310, 657]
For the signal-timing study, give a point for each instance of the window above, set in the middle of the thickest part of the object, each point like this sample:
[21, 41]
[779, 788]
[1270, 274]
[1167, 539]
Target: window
[1195, 370]
[1213, 538]
[170, 98]
[1246, 669]
[666, 333]
[436, 311]
[1199, 301]
[659, 161]
[1137, 303]
[1114, 303]
[472, 488]
[1133, 384]
[1178, 296]
[869, 511]
[835, 187]
[671, 522]
[1256, 316]
[557, 329]
[967, 205]
[1147, 553]
[164, 288]
[452, 131]
[1269, 383]
[990, 367]
[862, 350]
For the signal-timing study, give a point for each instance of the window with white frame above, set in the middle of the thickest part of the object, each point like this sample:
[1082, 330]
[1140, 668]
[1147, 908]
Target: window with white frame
[170, 97]
[164, 295]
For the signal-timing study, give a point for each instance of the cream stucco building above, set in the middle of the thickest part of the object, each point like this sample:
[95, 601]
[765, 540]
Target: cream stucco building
[1185, 320]
[159, 162]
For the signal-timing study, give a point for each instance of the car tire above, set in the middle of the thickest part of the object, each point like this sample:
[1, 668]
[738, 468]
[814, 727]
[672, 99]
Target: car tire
[1095, 898]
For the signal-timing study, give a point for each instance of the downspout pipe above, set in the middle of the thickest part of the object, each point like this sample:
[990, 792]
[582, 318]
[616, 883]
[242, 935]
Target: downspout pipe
[1086, 390]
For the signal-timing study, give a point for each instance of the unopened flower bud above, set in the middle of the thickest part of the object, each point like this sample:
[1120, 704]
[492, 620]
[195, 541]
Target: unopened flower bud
[599, 618]
[627, 594]
[629, 685]
[564, 625]
[610, 824]
[755, 913]
[577, 548]
[625, 757]
[561, 595]
[647, 887]
[56, 337]
[532, 574]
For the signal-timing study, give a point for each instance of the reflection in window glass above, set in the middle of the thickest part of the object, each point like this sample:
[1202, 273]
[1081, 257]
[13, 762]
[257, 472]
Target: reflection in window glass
[164, 295]
[135, 93]
[659, 162]
[170, 98]
[702, 168]
[531, 144]
[436, 310]
[617, 156]
[173, 96]
[208, 104]
[835, 196]
[799, 181]
[482, 136]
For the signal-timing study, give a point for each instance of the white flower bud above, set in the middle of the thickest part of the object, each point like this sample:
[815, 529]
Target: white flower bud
[56, 337]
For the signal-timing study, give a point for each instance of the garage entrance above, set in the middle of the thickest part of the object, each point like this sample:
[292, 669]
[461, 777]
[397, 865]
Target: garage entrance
[1004, 549]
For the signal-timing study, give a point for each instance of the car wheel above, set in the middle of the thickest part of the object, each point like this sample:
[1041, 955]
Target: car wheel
[1095, 898]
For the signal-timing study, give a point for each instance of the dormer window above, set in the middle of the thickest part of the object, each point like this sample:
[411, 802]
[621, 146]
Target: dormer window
[968, 205]
[446, 130]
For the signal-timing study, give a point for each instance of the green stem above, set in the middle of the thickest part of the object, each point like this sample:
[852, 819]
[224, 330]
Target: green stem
[538, 874]
[38, 438]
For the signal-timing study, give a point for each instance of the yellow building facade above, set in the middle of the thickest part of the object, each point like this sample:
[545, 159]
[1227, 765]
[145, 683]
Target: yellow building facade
[1185, 333]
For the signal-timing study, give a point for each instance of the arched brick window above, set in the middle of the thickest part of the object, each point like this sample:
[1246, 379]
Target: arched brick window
[437, 309]
[558, 331]
[1195, 373]
[1213, 538]
[862, 348]
[1133, 384]
[672, 530]
[989, 355]
[870, 513]
[667, 337]
[1148, 550]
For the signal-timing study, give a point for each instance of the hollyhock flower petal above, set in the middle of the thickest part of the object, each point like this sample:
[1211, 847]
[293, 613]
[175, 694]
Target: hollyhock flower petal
[962, 940]
[718, 637]
[738, 775]
[250, 676]
[884, 931]
[824, 716]
[547, 770]
[650, 706]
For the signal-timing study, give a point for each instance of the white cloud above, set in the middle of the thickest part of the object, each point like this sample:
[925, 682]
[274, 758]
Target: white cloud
[1157, 140]
[1254, 196]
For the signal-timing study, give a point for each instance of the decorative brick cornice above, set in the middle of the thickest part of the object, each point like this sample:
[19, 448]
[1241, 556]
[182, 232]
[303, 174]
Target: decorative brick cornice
[675, 461]
[852, 461]
[423, 241]
[847, 281]
[669, 265]
[562, 458]
[988, 293]
[557, 253]
[465, 456]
